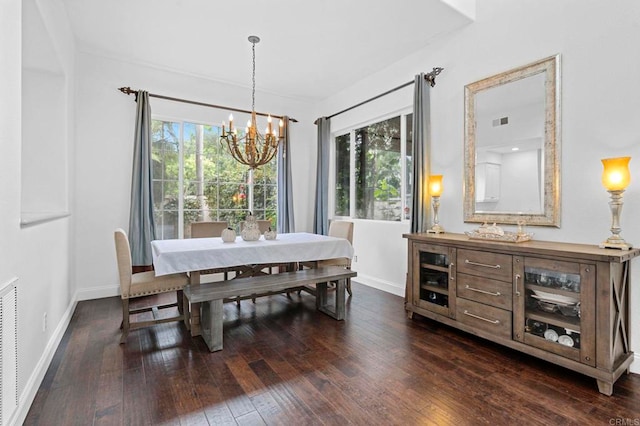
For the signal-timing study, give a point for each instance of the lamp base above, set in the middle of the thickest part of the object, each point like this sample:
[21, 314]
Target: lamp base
[616, 243]
[436, 229]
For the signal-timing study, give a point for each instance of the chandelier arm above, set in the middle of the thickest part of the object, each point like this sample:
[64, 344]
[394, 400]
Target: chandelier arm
[265, 147]
[236, 154]
[271, 155]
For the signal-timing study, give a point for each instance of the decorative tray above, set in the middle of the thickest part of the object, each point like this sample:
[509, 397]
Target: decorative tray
[508, 237]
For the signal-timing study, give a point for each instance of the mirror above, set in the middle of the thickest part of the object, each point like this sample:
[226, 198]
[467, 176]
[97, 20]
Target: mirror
[512, 146]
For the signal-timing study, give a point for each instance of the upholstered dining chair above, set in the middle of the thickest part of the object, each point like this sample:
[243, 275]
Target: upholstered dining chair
[208, 229]
[338, 229]
[144, 284]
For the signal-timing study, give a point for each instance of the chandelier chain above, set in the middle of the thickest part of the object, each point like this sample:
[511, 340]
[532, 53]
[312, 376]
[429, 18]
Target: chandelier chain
[253, 78]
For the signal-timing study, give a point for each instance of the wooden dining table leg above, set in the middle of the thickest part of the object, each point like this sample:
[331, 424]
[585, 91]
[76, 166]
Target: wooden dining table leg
[194, 312]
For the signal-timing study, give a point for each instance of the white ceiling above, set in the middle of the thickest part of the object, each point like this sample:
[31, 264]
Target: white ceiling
[307, 50]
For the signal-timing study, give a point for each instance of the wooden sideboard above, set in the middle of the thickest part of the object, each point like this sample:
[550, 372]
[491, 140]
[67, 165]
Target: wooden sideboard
[564, 303]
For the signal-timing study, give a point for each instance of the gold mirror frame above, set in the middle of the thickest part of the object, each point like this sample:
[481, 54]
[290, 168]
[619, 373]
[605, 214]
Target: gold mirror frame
[550, 215]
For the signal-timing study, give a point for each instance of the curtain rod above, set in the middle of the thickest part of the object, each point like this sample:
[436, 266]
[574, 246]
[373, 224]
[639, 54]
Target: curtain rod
[128, 91]
[430, 77]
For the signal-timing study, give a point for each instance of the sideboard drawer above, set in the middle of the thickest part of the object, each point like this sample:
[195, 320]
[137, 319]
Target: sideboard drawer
[485, 264]
[482, 317]
[484, 290]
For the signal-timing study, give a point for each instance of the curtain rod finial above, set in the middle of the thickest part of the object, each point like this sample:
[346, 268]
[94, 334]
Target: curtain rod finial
[431, 77]
[127, 90]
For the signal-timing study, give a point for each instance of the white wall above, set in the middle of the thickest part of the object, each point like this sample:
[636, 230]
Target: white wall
[38, 255]
[105, 127]
[600, 107]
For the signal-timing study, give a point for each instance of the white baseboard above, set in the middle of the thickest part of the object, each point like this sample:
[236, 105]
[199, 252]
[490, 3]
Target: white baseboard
[34, 381]
[97, 293]
[387, 286]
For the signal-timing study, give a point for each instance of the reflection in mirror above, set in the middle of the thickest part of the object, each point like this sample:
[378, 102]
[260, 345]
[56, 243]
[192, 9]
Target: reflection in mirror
[511, 146]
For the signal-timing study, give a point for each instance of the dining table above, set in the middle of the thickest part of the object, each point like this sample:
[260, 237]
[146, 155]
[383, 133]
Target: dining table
[192, 255]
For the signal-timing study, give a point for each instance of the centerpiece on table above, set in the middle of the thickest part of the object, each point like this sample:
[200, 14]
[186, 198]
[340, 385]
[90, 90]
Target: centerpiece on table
[228, 235]
[250, 231]
[270, 234]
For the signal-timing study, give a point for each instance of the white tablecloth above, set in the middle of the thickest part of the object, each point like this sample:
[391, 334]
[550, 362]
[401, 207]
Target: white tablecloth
[196, 254]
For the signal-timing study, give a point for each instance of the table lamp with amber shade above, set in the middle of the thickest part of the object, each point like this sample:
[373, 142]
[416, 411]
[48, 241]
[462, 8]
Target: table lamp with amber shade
[616, 178]
[435, 190]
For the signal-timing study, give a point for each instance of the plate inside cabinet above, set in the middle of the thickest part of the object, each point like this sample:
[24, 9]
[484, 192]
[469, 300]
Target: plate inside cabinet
[553, 297]
[551, 335]
[565, 340]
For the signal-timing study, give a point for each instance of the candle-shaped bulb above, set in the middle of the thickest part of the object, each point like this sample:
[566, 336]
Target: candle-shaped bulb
[230, 122]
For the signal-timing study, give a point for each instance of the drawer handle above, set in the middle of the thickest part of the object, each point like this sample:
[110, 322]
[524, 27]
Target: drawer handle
[468, 262]
[481, 318]
[490, 293]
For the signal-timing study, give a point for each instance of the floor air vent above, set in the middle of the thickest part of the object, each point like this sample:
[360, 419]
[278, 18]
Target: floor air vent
[8, 350]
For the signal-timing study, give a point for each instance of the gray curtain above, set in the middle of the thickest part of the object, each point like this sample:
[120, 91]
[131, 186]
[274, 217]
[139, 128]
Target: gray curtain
[285, 189]
[421, 208]
[321, 215]
[142, 227]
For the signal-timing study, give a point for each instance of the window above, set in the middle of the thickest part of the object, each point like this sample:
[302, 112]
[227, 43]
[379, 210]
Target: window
[381, 163]
[342, 175]
[196, 179]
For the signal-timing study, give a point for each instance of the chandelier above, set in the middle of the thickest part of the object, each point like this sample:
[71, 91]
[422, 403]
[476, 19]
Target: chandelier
[253, 149]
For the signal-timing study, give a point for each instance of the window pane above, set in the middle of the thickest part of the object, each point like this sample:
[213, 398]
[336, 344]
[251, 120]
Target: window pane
[258, 200]
[189, 151]
[214, 185]
[272, 216]
[166, 224]
[233, 196]
[408, 199]
[343, 175]
[163, 192]
[165, 172]
[265, 193]
[378, 173]
[233, 217]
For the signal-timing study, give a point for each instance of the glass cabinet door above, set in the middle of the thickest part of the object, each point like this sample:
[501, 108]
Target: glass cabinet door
[435, 274]
[554, 307]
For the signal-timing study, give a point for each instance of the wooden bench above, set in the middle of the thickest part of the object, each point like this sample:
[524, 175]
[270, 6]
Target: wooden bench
[212, 295]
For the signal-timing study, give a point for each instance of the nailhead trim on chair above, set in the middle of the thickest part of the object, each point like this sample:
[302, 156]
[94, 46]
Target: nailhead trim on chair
[152, 292]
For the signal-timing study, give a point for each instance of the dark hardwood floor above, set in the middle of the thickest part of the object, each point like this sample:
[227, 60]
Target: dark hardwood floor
[284, 363]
